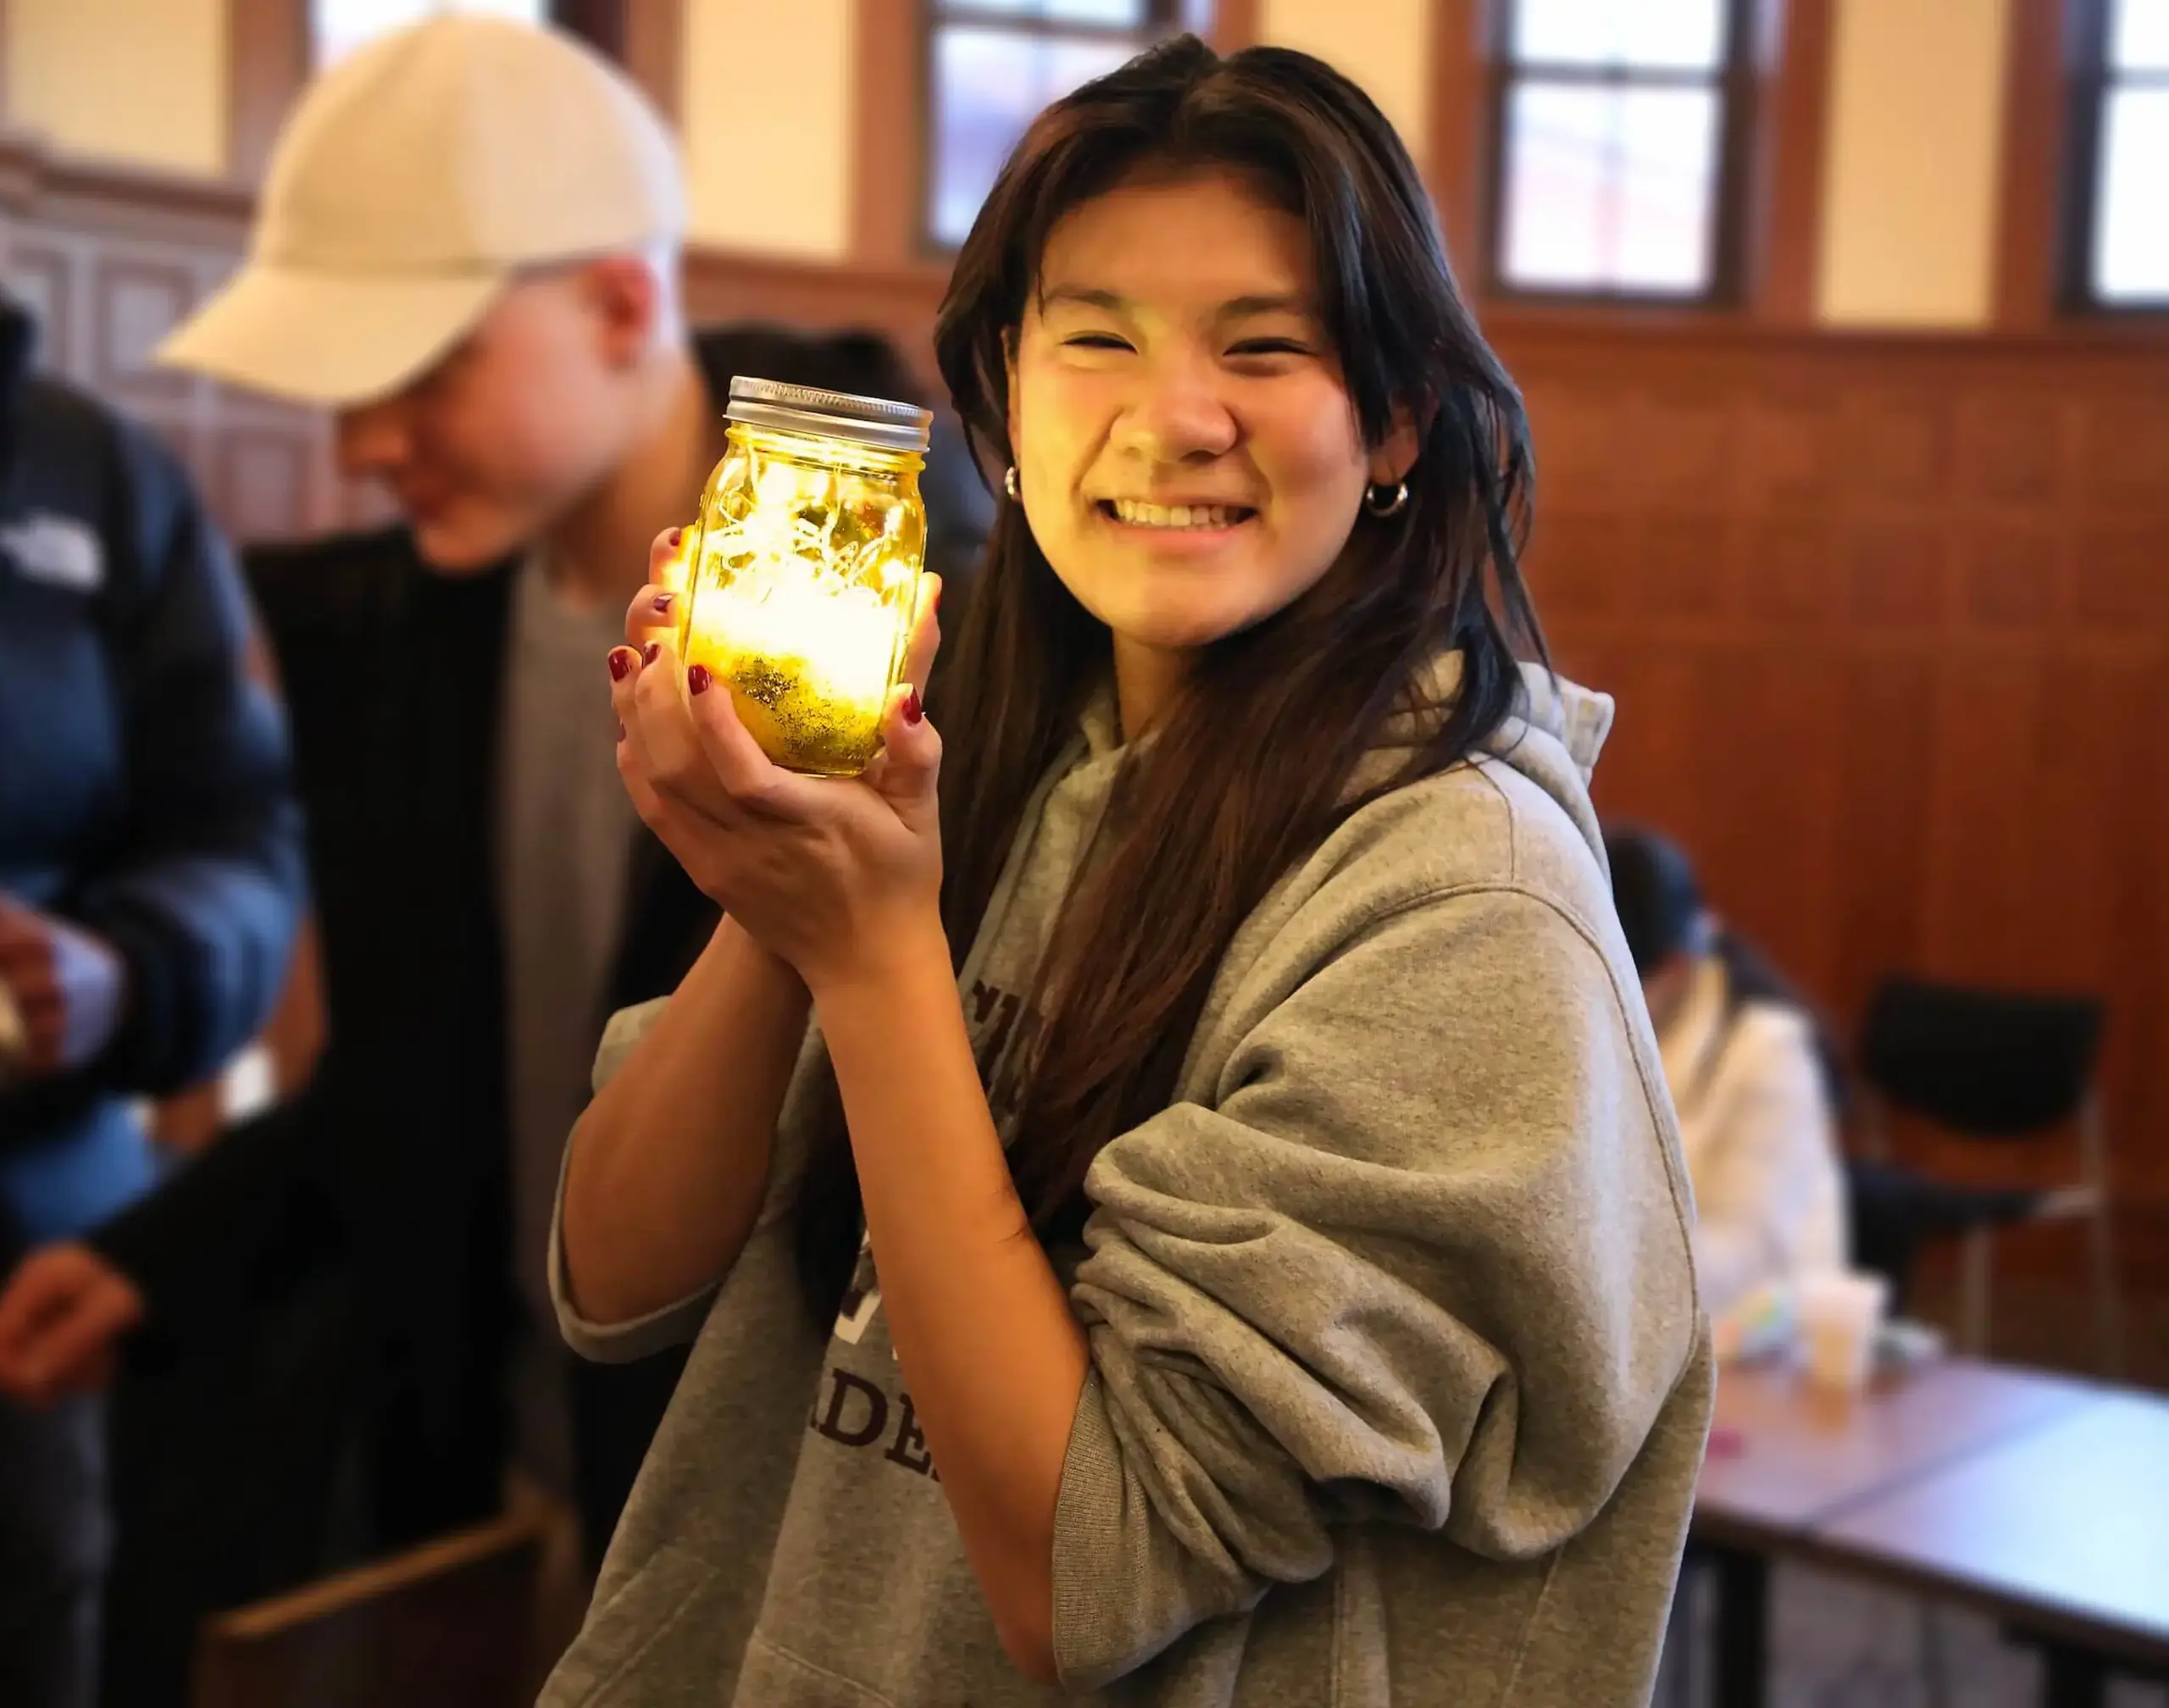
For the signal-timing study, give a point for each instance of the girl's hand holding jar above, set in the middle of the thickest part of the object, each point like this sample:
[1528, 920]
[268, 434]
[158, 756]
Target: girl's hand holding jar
[841, 878]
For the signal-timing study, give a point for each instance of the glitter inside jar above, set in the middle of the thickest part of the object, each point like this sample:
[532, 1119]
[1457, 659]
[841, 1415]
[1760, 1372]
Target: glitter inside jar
[805, 566]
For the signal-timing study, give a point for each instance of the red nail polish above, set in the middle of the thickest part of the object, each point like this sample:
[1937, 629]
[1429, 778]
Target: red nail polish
[661, 601]
[937, 598]
[650, 653]
[913, 710]
[697, 679]
[677, 535]
[621, 661]
[621, 732]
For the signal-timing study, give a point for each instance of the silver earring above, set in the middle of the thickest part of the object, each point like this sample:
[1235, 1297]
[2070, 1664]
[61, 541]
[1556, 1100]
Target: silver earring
[1009, 481]
[1386, 501]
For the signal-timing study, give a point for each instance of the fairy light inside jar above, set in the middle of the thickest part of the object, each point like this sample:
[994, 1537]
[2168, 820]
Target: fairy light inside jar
[803, 579]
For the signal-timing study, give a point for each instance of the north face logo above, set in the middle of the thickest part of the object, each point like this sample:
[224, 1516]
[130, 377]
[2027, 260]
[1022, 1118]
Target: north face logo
[57, 550]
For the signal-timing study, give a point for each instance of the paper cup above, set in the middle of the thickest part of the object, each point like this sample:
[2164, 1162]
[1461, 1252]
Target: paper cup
[1839, 1316]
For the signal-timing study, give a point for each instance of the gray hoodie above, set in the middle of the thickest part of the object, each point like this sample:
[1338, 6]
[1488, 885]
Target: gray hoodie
[1399, 1381]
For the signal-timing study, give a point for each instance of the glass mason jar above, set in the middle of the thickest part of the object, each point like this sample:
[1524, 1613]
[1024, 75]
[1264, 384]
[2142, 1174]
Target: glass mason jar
[804, 569]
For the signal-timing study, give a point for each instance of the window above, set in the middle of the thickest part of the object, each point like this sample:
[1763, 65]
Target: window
[2119, 255]
[1618, 143]
[337, 27]
[992, 65]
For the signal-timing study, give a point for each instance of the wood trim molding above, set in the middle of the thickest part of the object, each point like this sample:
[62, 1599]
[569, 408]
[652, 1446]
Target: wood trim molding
[599, 23]
[1234, 25]
[1786, 221]
[652, 45]
[887, 182]
[2029, 227]
[99, 195]
[1458, 149]
[267, 62]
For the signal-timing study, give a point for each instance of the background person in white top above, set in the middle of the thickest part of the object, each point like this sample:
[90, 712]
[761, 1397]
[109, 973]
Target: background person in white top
[1756, 1082]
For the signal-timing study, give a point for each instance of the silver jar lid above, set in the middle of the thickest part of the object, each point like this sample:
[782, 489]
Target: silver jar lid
[874, 421]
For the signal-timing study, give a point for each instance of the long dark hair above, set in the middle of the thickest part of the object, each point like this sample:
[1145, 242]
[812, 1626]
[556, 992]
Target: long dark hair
[1252, 766]
[1662, 913]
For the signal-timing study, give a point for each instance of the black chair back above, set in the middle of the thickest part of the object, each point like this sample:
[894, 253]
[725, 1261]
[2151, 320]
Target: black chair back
[1984, 1063]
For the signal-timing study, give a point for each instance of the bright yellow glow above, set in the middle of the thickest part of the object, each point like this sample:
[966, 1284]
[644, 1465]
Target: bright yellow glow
[802, 590]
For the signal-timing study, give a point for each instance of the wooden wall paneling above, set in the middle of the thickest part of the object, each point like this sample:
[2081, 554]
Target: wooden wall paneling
[1785, 219]
[1882, 715]
[135, 302]
[264, 481]
[1913, 724]
[2030, 234]
[42, 275]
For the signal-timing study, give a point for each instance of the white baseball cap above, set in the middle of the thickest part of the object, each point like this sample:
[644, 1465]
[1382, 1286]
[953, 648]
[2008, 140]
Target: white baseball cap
[410, 185]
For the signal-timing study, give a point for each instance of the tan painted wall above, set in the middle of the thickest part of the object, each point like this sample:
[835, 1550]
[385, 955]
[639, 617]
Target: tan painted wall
[765, 107]
[138, 80]
[1384, 45]
[1913, 165]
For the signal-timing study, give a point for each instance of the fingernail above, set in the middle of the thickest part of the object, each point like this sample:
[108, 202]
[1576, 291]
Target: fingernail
[673, 537]
[621, 661]
[913, 710]
[650, 653]
[697, 679]
[937, 598]
[661, 601]
[621, 732]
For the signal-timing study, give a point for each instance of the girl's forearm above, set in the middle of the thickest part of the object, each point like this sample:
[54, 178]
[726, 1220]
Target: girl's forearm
[996, 1359]
[669, 1164]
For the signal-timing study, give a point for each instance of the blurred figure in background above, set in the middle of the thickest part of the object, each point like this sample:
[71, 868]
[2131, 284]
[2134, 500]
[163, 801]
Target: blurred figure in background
[150, 877]
[1756, 1080]
[468, 248]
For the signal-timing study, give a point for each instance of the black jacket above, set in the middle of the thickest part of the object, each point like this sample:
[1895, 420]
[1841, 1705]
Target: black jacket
[144, 777]
[398, 1155]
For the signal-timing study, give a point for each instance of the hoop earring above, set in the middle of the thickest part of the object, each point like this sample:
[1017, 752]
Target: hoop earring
[1009, 482]
[1386, 501]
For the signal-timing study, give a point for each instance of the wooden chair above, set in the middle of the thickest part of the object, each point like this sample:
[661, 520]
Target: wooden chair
[449, 1625]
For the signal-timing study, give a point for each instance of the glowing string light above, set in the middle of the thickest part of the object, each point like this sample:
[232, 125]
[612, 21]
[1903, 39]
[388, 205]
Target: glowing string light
[800, 614]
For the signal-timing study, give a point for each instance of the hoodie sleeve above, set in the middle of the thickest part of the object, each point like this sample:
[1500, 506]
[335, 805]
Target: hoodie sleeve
[674, 1325]
[203, 892]
[1426, 1262]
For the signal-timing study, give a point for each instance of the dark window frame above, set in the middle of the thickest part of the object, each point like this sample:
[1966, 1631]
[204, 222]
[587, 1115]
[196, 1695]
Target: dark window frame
[1162, 19]
[600, 23]
[1738, 83]
[2089, 81]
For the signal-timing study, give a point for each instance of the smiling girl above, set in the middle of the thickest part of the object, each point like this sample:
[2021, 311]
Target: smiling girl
[1176, 1199]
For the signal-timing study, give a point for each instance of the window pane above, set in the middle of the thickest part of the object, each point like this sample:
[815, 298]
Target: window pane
[1682, 35]
[2138, 35]
[2131, 236]
[988, 86]
[337, 27]
[1123, 15]
[1609, 189]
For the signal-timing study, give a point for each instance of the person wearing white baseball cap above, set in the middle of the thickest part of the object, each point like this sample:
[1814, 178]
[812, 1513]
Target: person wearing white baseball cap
[468, 250]
[468, 247]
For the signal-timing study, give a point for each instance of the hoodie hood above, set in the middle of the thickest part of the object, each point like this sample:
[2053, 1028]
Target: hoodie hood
[1553, 737]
